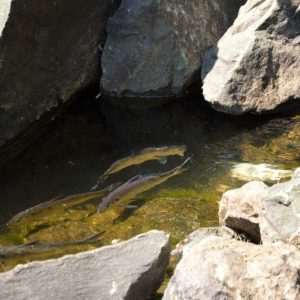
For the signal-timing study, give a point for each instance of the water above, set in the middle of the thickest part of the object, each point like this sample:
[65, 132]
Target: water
[76, 149]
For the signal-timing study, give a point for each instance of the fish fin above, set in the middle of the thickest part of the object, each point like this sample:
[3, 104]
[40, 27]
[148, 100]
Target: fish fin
[133, 178]
[186, 161]
[113, 186]
[30, 244]
[95, 186]
[163, 160]
[128, 206]
[182, 165]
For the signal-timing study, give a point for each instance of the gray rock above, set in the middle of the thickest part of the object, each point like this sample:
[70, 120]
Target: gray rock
[296, 174]
[155, 48]
[4, 11]
[129, 270]
[219, 268]
[197, 236]
[239, 209]
[48, 51]
[256, 65]
[280, 215]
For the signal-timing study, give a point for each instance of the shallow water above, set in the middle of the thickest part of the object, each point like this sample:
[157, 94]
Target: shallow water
[76, 149]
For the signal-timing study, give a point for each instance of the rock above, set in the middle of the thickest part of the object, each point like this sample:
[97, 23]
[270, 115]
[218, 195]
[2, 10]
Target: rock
[154, 48]
[48, 51]
[4, 11]
[256, 65]
[197, 236]
[129, 270]
[239, 209]
[219, 268]
[296, 174]
[280, 215]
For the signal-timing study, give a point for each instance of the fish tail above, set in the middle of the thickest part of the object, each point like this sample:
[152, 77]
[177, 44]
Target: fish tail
[103, 177]
[180, 167]
[191, 158]
[186, 161]
[99, 181]
[93, 238]
[94, 188]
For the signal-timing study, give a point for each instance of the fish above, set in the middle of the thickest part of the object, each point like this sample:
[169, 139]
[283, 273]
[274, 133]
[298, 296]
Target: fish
[151, 153]
[137, 185]
[36, 247]
[262, 172]
[53, 211]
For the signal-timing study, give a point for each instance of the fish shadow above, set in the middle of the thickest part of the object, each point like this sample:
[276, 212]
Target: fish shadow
[128, 212]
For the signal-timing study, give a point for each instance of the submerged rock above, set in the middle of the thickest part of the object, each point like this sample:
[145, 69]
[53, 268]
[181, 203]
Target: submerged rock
[280, 215]
[155, 48]
[48, 51]
[129, 270]
[263, 172]
[219, 268]
[239, 209]
[256, 65]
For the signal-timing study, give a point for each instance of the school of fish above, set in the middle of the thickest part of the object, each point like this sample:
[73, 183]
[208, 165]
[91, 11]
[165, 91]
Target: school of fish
[56, 211]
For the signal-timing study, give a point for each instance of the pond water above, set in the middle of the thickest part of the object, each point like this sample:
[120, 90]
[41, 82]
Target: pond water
[68, 158]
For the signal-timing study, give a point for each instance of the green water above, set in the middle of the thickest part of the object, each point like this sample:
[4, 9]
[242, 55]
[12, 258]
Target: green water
[76, 149]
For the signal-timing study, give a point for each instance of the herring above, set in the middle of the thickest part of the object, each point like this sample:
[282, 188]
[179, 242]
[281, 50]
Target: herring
[137, 185]
[151, 153]
[262, 172]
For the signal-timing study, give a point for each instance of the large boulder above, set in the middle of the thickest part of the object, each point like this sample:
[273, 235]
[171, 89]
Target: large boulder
[129, 270]
[280, 215]
[239, 209]
[48, 51]
[256, 65]
[219, 268]
[155, 48]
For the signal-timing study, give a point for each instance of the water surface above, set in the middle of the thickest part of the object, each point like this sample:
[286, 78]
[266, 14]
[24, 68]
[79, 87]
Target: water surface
[79, 146]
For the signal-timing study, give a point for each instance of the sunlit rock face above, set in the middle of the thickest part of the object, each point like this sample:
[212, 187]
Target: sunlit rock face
[155, 48]
[4, 11]
[256, 65]
[280, 215]
[48, 51]
[129, 270]
[239, 209]
[220, 268]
